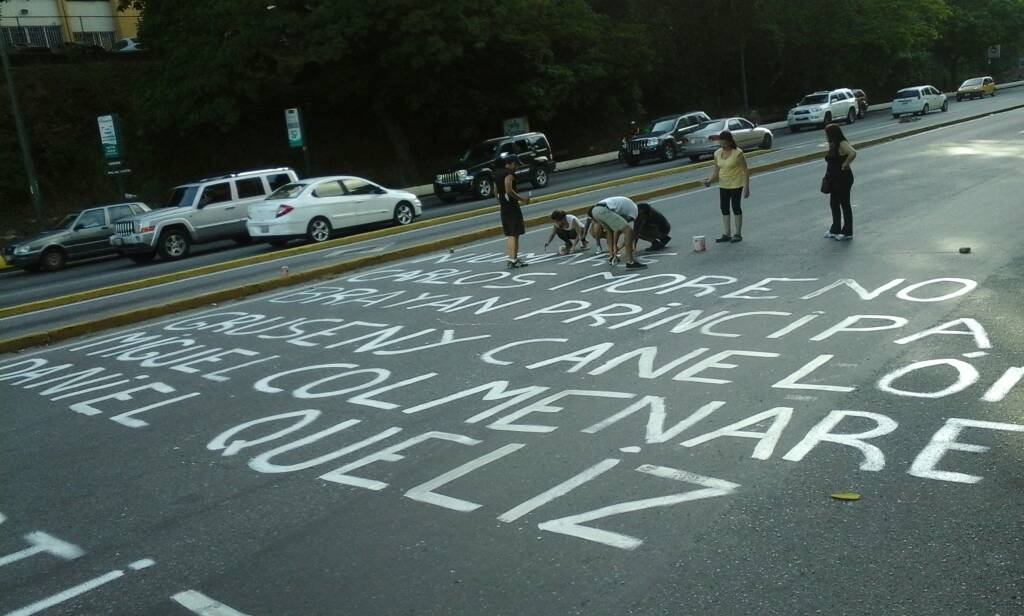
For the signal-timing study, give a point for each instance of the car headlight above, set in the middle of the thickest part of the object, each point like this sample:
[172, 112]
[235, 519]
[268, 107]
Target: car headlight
[462, 174]
[652, 142]
[24, 249]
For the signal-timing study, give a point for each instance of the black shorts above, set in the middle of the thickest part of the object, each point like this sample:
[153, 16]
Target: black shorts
[566, 235]
[512, 220]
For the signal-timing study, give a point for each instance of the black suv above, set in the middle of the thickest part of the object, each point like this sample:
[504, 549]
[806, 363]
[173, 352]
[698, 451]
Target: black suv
[660, 138]
[473, 172]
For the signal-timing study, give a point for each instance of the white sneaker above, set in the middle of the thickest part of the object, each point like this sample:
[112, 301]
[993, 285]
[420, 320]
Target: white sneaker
[829, 235]
[840, 237]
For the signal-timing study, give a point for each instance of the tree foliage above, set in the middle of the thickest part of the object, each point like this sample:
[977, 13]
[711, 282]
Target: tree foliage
[394, 88]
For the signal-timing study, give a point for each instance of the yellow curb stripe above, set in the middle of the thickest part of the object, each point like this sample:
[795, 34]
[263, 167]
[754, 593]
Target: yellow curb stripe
[120, 319]
[153, 281]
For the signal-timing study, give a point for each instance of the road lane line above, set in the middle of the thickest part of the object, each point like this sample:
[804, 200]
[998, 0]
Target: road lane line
[70, 593]
[198, 603]
[270, 284]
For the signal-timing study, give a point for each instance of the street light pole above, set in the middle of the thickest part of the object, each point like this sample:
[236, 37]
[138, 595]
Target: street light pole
[19, 123]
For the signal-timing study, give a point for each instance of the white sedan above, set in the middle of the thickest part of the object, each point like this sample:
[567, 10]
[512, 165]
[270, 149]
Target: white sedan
[316, 207]
[918, 100]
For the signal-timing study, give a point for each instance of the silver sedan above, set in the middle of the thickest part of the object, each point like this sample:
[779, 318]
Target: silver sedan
[704, 141]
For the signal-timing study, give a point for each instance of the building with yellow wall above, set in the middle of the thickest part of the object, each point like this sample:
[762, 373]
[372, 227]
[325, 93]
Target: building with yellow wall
[49, 23]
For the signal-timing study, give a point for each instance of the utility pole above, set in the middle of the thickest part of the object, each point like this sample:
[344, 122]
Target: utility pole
[19, 123]
[743, 74]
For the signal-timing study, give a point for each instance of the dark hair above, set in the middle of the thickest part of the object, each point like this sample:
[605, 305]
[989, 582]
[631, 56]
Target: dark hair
[558, 215]
[727, 136]
[643, 207]
[835, 136]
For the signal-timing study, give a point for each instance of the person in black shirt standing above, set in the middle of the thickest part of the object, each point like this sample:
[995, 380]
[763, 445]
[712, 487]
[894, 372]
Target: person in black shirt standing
[509, 200]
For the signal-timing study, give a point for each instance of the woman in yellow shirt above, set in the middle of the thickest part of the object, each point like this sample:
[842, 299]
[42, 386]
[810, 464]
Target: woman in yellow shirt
[730, 170]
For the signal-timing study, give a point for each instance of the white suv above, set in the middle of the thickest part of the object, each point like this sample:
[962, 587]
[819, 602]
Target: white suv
[821, 108]
[205, 211]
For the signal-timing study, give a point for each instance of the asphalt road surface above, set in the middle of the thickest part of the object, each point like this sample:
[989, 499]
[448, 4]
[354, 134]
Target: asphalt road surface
[20, 288]
[17, 287]
[443, 436]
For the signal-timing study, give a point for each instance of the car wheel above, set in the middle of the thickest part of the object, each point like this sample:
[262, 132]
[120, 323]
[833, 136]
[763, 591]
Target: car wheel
[318, 230]
[851, 116]
[539, 177]
[142, 257]
[668, 152]
[53, 259]
[278, 242]
[945, 106]
[174, 244]
[926, 109]
[766, 142]
[482, 188]
[404, 214]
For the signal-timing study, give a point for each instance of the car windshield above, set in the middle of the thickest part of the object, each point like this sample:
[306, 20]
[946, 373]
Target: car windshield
[66, 222]
[908, 94]
[714, 127]
[972, 82]
[479, 153]
[814, 99]
[288, 191]
[182, 195]
[658, 126]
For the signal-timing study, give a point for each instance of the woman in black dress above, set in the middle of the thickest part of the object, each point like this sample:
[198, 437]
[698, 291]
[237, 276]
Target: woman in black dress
[508, 201]
[840, 177]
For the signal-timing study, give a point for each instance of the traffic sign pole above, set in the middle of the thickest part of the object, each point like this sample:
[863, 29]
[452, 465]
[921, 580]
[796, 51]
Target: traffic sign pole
[297, 136]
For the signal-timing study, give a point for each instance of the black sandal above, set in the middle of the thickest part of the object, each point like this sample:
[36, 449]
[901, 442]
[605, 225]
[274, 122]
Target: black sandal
[737, 238]
[723, 239]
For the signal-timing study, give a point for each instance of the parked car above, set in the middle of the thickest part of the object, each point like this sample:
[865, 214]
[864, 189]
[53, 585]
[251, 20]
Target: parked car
[205, 211]
[918, 100]
[821, 108]
[662, 137]
[316, 207]
[80, 235]
[127, 45]
[976, 87]
[473, 172]
[704, 140]
[862, 102]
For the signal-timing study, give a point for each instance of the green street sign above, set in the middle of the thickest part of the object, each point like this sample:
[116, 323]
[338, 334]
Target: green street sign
[110, 136]
[293, 123]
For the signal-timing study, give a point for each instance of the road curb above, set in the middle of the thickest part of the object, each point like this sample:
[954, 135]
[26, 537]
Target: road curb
[127, 318]
[214, 268]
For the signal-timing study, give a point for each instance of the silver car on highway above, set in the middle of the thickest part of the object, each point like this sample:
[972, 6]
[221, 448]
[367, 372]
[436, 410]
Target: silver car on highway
[704, 141]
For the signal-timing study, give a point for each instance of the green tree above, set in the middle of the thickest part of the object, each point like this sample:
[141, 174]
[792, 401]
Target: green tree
[973, 26]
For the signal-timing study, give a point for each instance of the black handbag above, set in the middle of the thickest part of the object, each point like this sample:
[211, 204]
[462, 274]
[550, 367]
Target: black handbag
[826, 185]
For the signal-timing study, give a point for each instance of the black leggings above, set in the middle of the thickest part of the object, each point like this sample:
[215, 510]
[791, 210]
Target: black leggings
[730, 195]
[839, 202]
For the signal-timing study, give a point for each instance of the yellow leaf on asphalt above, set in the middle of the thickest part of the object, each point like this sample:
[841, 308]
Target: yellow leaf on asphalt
[849, 496]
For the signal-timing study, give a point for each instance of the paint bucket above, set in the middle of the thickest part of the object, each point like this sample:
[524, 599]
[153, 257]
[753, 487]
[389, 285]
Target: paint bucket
[699, 243]
[284, 270]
